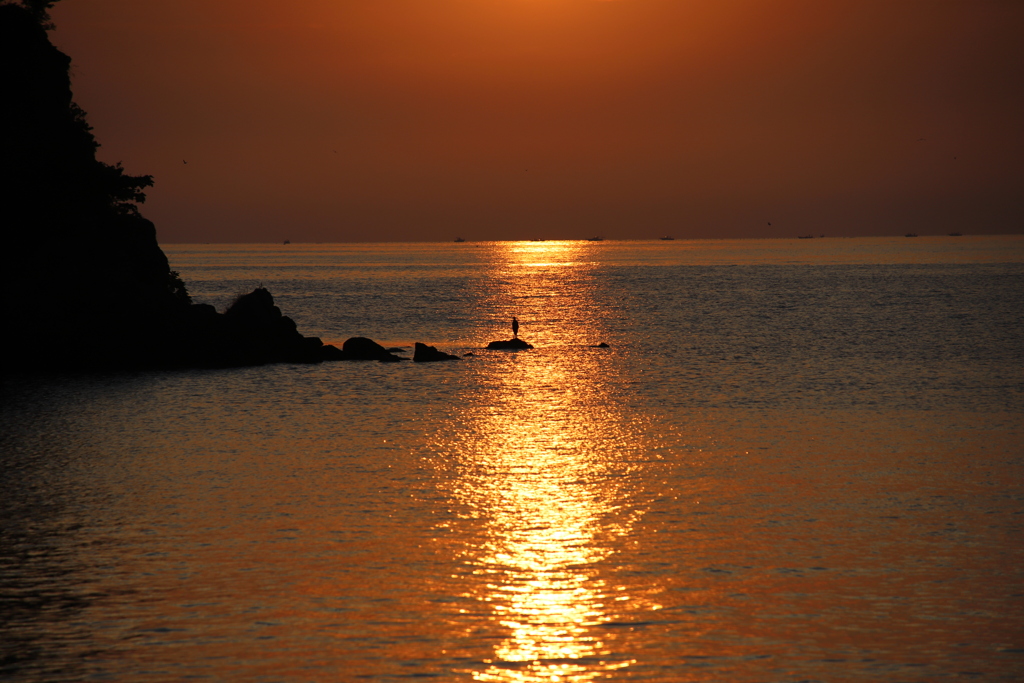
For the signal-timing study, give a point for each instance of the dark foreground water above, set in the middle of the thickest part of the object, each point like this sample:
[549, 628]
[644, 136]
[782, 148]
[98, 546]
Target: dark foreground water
[797, 460]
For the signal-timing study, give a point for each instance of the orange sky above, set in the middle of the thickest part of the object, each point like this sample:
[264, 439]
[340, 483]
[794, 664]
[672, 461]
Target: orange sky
[355, 120]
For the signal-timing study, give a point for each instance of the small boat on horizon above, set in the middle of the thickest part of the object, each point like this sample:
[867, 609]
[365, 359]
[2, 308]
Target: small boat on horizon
[805, 237]
[287, 241]
[666, 237]
[911, 234]
[459, 239]
[595, 239]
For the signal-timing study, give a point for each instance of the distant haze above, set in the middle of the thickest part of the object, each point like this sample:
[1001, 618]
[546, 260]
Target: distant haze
[373, 120]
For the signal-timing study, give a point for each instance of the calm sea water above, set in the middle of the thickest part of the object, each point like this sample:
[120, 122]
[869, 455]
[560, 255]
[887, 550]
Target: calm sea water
[798, 460]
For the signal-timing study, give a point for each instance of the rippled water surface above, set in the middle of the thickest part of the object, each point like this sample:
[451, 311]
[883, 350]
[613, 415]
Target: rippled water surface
[796, 460]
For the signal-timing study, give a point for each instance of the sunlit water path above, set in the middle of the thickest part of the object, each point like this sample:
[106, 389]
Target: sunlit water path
[796, 460]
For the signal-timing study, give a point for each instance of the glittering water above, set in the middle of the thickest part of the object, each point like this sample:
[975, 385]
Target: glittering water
[796, 460]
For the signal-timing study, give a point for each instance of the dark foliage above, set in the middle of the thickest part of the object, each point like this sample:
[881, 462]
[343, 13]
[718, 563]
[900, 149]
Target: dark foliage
[39, 10]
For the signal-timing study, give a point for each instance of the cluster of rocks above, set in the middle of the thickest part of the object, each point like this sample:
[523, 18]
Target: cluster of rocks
[362, 348]
[253, 331]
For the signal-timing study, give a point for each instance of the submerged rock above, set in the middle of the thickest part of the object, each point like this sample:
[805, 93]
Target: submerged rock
[430, 354]
[509, 344]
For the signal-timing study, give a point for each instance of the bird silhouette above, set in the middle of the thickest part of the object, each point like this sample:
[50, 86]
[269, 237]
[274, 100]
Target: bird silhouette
[515, 327]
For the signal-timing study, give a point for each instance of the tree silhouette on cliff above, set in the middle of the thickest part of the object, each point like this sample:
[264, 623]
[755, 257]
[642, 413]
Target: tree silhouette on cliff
[84, 281]
[72, 223]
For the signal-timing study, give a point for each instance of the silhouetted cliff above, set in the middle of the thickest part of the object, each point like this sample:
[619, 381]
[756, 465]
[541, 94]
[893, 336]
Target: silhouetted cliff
[84, 282]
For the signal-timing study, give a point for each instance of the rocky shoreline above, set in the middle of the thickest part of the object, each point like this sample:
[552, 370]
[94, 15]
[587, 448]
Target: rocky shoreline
[86, 284]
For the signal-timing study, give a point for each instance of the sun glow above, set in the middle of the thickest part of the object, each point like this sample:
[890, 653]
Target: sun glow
[544, 253]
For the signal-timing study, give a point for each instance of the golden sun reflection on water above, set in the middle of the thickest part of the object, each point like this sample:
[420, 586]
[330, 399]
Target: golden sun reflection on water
[544, 468]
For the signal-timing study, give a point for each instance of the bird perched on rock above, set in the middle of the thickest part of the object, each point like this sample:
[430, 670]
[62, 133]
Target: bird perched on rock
[515, 327]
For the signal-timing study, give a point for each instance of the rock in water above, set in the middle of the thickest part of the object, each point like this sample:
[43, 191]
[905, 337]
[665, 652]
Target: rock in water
[430, 354]
[363, 348]
[509, 344]
[266, 334]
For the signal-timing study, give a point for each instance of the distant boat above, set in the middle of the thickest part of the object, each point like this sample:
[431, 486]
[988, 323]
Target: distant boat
[911, 234]
[805, 237]
[595, 239]
[956, 234]
[666, 237]
[287, 241]
[459, 239]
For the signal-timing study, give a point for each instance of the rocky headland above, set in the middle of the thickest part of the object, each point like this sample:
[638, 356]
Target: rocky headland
[85, 283]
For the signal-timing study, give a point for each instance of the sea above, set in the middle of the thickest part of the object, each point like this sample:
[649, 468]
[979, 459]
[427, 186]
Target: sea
[723, 460]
